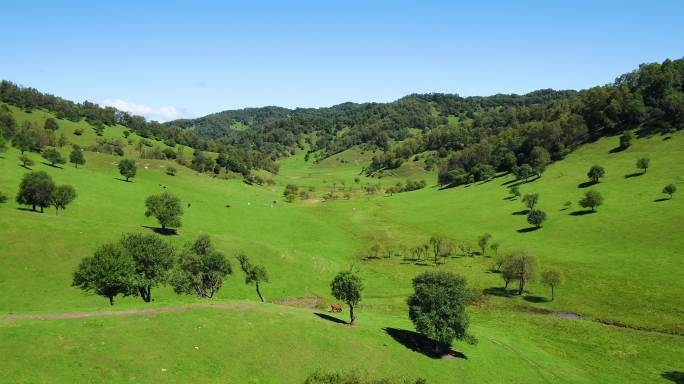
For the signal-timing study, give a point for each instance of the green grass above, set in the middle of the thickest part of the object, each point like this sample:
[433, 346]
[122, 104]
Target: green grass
[622, 264]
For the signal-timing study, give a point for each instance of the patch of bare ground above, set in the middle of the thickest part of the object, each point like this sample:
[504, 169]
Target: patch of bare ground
[311, 302]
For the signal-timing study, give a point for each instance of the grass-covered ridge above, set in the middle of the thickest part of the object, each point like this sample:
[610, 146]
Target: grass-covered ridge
[622, 265]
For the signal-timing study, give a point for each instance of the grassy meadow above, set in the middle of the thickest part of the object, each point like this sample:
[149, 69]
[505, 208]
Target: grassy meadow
[622, 266]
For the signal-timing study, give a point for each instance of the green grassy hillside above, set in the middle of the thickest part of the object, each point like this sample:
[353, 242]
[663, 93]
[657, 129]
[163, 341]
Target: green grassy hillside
[622, 263]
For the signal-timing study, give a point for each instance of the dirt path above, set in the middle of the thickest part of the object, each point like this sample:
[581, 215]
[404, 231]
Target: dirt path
[128, 312]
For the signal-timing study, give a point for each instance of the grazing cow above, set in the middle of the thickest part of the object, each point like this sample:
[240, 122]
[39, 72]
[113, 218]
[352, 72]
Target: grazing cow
[336, 307]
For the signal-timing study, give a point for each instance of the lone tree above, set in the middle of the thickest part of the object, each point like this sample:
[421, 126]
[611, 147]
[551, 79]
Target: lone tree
[626, 139]
[107, 273]
[643, 164]
[51, 124]
[670, 189]
[437, 307]
[519, 266]
[254, 274]
[483, 241]
[62, 196]
[591, 199]
[495, 247]
[347, 286]
[595, 173]
[26, 161]
[536, 217]
[35, 190]
[152, 259]
[76, 157]
[200, 269]
[127, 168]
[530, 200]
[552, 277]
[514, 191]
[53, 156]
[166, 208]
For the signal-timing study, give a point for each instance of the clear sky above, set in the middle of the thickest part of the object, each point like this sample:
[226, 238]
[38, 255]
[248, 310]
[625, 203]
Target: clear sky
[168, 59]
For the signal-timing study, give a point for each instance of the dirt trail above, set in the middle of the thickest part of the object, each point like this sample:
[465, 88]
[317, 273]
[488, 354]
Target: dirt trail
[128, 312]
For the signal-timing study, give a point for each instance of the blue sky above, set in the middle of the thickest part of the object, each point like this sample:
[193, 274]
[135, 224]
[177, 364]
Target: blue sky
[189, 58]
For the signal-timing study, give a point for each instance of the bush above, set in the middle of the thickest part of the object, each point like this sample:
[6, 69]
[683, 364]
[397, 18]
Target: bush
[78, 131]
[171, 171]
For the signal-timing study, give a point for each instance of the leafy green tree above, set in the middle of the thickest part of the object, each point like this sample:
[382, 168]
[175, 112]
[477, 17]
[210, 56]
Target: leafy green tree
[438, 244]
[291, 192]
[347, 286]
[495, 247]
[643, 164]
[536, 217]
[26, 161]
[437, 307]
[670, 189]
[520, 266]
[514, 191]
[552, 277]
[3, 198]
[530, 200]
[8, 126]
[539, 159]
[595, 173]
[127, 168]
[483, 241]
[62, 196]
[523, 172]
[166, 208]
[626, 139]
[591, 199]
[35, 190]
[152, 258]
[254, 274]
[171, 171]
[109, 272]
[201, 269]
[76, 157]
[51, 124]
[53, 156]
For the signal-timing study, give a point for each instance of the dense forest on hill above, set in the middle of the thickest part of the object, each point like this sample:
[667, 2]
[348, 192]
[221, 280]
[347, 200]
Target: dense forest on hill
[466, 138]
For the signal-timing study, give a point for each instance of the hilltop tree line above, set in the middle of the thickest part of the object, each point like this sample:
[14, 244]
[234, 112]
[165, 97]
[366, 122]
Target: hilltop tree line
[467, 139]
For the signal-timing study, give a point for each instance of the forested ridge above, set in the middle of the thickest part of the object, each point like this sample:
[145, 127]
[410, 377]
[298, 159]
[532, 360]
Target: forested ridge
[466, 138]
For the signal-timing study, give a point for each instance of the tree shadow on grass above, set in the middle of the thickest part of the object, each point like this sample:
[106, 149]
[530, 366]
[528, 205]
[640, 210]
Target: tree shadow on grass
[528, 229]
[25, 167]
[51, 165]
[617, 149]
[635, 174]
[27, 209]
[509, 198]
[585, 184]
[582, 212]
[499, 291]
[122, 179]
[162, 231]
[523, 212]
[674, 376]
[421, 344]
[535, 299]
[661, 199]
[330, 318]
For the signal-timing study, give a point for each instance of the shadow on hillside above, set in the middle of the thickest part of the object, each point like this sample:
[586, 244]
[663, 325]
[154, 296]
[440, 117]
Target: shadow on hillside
[661, 199]
[51, 165]
[528, 229]
[674, 376]
[523, 212]
[582, 212]
[122, 179]
[421, 344]
[25, 167]
[535, 299]
[27, 209]
[667, 138]
[509, 198]
[635, 174]
[499, 291]
[330, 318]
[617, 149]
[162, 231]
[585, 184]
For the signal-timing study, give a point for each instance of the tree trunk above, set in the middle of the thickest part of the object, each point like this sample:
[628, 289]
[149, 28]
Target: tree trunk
[41, 209]
[552, 293]
[259, 293]
[111, 300]
[351, 314]
[34, 207]
[521, 288]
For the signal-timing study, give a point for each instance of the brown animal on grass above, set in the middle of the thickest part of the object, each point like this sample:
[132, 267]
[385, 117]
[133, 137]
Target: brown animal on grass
[336, 307]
